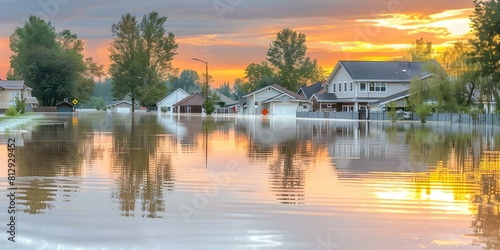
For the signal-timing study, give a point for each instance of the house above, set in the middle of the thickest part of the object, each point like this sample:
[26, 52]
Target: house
[166, 104]
[64, 106]
[309, 91]
[359, 84]
[225, 105]
[274, 100]
[190, 104]
[9, 90]
[121, 107]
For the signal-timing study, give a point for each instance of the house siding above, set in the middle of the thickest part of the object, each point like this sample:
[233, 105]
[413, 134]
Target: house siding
[259, 97]
[172, 99]
[341, 76]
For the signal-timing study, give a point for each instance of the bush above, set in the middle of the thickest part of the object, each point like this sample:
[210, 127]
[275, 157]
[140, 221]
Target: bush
[423, 111]
[20, 105]
[11, 112]
[164, 109]
[209, 106]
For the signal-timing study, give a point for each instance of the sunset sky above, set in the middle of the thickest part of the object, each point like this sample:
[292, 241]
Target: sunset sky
[230, 34]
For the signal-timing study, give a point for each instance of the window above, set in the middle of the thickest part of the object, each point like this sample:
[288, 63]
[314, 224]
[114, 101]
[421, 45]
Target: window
[328, 105]
[340, 87]
[304, 106]
[351, 86]
[334, 87]
[347, 108]
[378, 86]
[168, 108]
[362, 87]
[345, 86]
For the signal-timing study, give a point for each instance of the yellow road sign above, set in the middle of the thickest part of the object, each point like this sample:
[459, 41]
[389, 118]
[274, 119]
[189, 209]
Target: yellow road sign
[74, 101]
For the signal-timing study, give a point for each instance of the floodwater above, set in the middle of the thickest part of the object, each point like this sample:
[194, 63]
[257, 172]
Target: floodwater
[150, 181]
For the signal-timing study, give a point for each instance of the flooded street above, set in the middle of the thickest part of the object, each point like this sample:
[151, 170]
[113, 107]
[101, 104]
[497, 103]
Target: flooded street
[113, 181]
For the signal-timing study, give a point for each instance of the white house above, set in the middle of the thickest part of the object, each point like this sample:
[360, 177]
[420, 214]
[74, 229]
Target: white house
[166, 104]
[273, 100]
[358, 84]
[120, 107]
[9, 90]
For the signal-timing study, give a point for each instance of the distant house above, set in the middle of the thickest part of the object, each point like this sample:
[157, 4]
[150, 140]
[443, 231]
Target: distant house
[121, 107]
[359, 85]
[225, 105]
[64, 106]
[167, 102]
[273, 100]
[309, 91]
[190, 104]
[9, 90]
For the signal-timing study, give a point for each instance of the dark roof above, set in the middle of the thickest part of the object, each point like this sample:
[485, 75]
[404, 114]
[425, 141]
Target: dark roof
[326, 97]
[196, 99]
[387, 71]
[64, 102]
[288, 92]
[308, 91]
[394, 97]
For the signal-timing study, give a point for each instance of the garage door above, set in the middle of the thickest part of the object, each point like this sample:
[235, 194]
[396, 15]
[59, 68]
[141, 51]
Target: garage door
[284, 110]
[123, 110]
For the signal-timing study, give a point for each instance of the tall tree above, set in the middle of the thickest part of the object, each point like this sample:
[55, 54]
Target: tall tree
[141, 55]
[52, 64]
[241, 88]
[260, 75]
[420, 51]
[486, 44]
[187, 81]
[287, 55]
[225, 89]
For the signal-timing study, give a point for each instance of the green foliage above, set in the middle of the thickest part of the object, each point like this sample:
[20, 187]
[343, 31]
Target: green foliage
[420, 51]
[241, 88]
[98, 103]
[423, 111]
[486, 44]
[286, 63]
[225, 89]
[141, 55]
[392, 111]
[209, 106]
[164, 109]
[188, 80]
[51, 63]
[20, 105]
[103, 89]
[11, 112]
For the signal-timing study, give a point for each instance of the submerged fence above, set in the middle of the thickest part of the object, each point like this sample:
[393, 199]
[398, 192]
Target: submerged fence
[483, 119]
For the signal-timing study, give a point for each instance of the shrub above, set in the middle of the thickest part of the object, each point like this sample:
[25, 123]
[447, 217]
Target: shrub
[20, 105]
[11, 111]
[209, 106]
[423, 111]
[164, 109]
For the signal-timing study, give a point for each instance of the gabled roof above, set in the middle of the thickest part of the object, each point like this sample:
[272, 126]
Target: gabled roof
[171, 94]
[391, 98]
[279, 89]
[65, 102]
[196, 99]
[225, 99]
[280, 98]
[325, 97]
[308, 91]
[18, 84]
[31, 100]
[387, 71]
[120, 102]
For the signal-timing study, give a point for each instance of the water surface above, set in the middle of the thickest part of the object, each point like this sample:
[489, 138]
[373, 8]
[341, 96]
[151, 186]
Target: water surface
[113, 181]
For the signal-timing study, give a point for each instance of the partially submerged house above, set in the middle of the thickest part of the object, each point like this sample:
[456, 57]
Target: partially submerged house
[166, 104]
[120, 107]
[362, 85]
[274, 100]
[190, 104]
[9, 90]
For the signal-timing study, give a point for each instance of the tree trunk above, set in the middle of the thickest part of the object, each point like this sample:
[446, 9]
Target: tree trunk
[133, 104]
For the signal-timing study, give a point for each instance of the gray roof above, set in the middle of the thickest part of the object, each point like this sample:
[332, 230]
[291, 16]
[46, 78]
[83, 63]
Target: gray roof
[387, 71]
[225, 99]
[326, 97]
[394, 97]
[12, 84]
[308, 91]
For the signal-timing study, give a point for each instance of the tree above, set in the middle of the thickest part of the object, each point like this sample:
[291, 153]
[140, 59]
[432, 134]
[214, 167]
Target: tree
[225, 89]
[287, 56]
[486, 45]
[141, 55]
[420, 51]
[51, 63]
[260, 75]
[241, 88]
[187, 81]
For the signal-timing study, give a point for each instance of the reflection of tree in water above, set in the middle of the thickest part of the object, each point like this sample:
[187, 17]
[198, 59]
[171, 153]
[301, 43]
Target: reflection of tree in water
[54, 150]
[287, 178]
[141, 170]
[486, 201]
